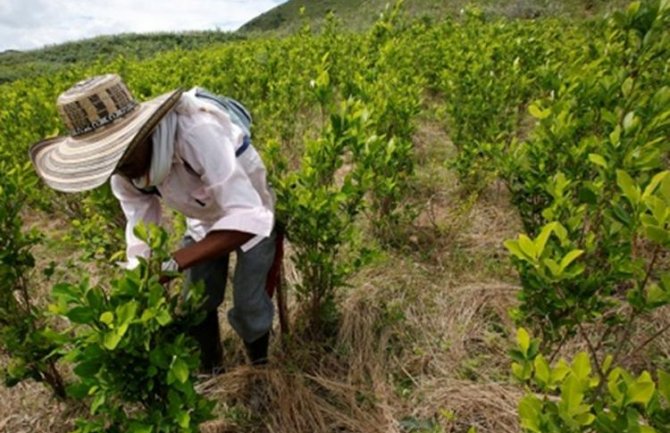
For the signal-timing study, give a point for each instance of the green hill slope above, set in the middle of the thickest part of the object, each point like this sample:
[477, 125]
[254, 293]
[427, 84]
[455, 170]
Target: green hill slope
[359, 14]
[16, 64]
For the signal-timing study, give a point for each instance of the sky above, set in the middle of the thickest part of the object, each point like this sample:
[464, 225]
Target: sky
[28, 24]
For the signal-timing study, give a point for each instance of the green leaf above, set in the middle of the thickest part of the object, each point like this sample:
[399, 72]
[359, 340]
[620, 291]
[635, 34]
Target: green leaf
[627, 87]
[561, 232]
[569, 258]
[607, 363]
[107, 317]
[112, 339]
[530, 410]
[140, 428]
[542, 371]
[141, 232]
[585, 418]
[527, 246]
[127, 312]
[513, 247]
[147, 315]
[180, 370]
[538, 113]
[587, 195]
[613, 381]
[581, 366]
[519, 371]
[163, 317]
[553, 267]
[657, 234]
[81, 315]
[78, 390]
[598, 160]
[66, 292]
[630, 121]
[615, 136]
[655, 181]
[523, 339]
[559, 372]
[87, 369]
[629, 187]
[98, 401]
[664, 385]
[621, 215]
[572, 396]
[541, 240]
[642, 390]
[183, 419]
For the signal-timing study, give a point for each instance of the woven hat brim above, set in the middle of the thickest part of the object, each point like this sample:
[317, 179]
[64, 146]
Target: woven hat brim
[76, 164]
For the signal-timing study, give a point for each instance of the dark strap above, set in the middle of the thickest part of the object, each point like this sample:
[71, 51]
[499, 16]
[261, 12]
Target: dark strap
[246, 142]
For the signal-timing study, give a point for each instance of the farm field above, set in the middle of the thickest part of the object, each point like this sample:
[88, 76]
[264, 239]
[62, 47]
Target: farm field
[477, 213]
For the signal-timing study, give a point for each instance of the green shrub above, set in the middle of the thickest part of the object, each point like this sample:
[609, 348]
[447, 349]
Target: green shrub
[134, 363]
[32, 348]
[602, 195]
[577, 397]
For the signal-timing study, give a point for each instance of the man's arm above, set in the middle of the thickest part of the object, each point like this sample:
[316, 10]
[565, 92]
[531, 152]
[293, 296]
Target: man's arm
[215, 244]
[137, 207]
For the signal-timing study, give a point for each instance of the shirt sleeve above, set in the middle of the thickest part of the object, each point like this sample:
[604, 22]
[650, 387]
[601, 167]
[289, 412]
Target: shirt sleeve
[209, 148]
[137, 207]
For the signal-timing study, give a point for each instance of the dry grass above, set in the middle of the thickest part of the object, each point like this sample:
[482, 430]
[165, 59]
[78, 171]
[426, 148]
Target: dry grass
[30, 408]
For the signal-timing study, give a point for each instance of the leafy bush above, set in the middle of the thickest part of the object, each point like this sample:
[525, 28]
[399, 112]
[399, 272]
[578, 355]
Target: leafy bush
[134, 362]
[607, 111]
[572, 397]
[32, 348]
[606, 198]
[320, 211]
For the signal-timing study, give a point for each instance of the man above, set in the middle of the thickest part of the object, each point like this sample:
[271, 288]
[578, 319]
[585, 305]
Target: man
[186, 151]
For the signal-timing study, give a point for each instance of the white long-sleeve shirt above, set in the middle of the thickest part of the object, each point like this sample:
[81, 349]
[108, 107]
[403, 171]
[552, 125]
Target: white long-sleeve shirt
[207, 183]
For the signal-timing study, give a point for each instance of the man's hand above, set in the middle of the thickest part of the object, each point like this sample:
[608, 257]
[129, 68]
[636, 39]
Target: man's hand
[215, 244]
[168, 270]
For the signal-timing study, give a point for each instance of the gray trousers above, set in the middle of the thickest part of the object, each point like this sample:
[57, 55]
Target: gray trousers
[252, 310]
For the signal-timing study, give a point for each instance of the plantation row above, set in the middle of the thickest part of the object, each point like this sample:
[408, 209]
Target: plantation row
[574, 118]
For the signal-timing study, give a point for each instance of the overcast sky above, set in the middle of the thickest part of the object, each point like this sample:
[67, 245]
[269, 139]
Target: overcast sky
[26, 24]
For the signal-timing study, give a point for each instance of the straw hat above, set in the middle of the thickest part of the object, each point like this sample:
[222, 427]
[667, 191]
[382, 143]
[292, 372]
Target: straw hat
[105, 123]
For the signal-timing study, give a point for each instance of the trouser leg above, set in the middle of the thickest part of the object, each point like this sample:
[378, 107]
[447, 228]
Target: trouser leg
[251, 315]
[213, 274]
[208, 336]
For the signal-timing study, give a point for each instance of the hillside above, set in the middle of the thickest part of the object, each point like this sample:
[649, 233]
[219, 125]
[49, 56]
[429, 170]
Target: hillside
[16, 64]
[357, 15]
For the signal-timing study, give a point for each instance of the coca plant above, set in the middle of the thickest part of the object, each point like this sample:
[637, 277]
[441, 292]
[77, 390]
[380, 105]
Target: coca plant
[607, 110]
[601, 189]
[30, 346]
[134, 362]
[572, 397]
[598, 212]
[320, 212]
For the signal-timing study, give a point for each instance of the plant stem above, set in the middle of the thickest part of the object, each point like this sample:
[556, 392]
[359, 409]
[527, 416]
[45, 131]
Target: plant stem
[646, 342]
[593, 352]
[558, 348]
[55, 381]
[628, 327]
